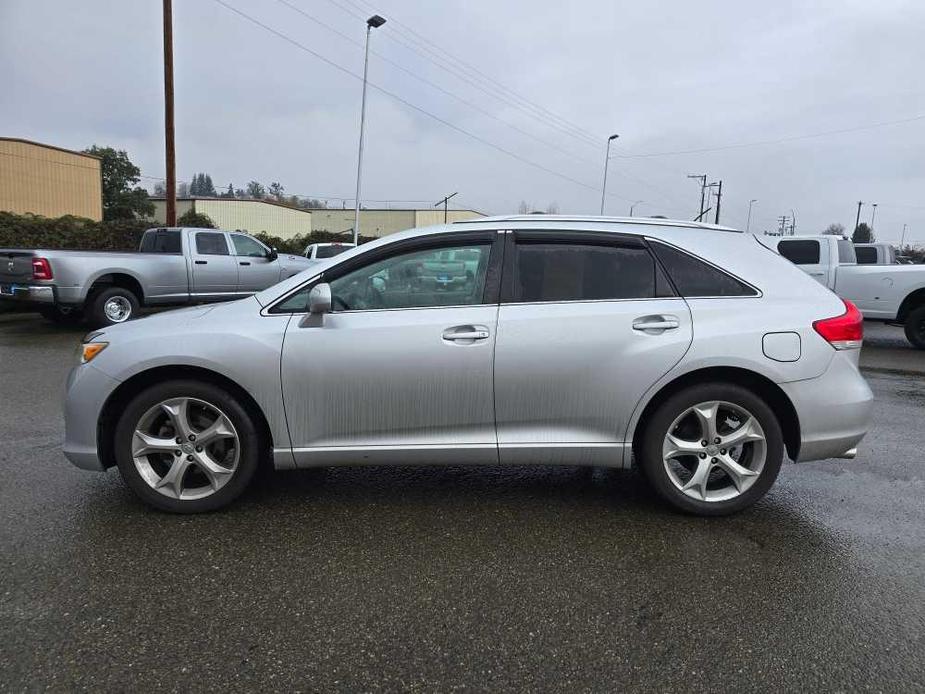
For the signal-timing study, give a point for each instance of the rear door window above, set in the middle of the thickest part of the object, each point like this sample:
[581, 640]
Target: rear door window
[160, 241]
[551, 271]
[866, 255]
[696, 278]
[211, 243]
[800, 252]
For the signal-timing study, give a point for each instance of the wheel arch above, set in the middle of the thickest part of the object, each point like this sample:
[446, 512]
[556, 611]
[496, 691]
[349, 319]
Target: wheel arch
[762, 386]
[123, 280]
[126, 390]
[912, 301]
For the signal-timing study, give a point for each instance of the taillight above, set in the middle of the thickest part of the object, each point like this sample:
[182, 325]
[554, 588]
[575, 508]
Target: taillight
[41, 269]
[845, 331]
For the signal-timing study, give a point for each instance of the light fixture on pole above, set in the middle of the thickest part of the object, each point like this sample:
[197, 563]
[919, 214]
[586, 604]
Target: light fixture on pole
[748, 222]
[633, 206]
[873, 215]
[606, 162]
[373, 22]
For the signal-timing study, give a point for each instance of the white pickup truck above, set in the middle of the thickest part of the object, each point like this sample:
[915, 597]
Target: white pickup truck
[894, 294]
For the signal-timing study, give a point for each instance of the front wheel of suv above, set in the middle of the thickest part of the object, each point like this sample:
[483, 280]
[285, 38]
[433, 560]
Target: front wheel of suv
[712, 449]
[186, 446]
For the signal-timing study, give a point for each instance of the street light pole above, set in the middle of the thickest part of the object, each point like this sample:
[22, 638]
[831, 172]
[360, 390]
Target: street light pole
[372, 23]
[873, 216]
[748, 223]
[606, 162]
[902, 239]
[793, 222]
[633, 206]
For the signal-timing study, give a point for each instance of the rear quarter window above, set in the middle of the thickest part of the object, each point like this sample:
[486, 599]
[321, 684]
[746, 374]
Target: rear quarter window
[160, 241]
[697, 278]
[800, 252]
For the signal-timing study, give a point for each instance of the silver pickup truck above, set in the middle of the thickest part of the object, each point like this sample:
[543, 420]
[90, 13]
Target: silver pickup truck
[171, 267]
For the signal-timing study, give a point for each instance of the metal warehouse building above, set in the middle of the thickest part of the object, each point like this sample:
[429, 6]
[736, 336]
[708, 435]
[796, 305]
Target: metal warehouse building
[247, 215]
[285, 222]
[50, 181]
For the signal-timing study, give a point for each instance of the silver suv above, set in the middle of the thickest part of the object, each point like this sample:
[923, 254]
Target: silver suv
[690, 350]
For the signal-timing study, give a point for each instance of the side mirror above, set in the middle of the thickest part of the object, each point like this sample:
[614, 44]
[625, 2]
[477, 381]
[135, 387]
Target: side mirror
[319, 299]
[273, 254]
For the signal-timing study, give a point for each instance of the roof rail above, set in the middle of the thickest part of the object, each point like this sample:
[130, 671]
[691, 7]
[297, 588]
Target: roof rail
[643, 221]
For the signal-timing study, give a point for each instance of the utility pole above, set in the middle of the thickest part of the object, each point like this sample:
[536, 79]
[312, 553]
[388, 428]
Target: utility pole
[606, 163]
[902, 239]
[748, 223]
[857, 220]
[793, 222]
[703, 187]
[782, 225]
[719, 197]
[444, 202]
[170, 152]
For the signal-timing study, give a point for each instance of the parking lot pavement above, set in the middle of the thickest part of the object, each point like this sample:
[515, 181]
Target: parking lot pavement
[518, 578]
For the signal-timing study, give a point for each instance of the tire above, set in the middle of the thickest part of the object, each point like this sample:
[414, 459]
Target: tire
[668, 466]
[230, 457]
[112, 305]
[914, 327]
[62, 315]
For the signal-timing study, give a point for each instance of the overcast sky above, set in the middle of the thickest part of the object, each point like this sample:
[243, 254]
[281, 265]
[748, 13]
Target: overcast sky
[667, 76]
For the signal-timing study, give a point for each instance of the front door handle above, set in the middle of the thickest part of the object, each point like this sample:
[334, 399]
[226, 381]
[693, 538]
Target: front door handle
[466, 333]
[659, 323]
[201, 262]
[244, 262]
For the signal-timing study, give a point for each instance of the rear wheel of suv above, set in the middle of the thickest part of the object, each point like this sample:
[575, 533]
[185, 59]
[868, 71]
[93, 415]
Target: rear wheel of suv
[712, 449]
[113, 305]
[915, 327]
[186, 446]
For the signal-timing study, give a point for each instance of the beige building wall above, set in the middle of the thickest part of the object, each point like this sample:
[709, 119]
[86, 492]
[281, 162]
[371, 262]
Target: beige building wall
[48, 181]
[382, 222]
[246, 215]
[426, 218]
[372, 222]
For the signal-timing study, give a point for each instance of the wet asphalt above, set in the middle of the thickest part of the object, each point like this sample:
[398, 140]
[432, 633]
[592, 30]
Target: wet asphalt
[432, 579]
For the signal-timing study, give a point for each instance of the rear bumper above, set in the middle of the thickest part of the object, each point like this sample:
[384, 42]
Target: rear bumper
[28, 294]
[87, 391]
[834, 409]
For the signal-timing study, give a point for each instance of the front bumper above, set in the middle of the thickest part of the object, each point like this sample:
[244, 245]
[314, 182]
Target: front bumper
[834, 409]
[88, 389]
[28, 293]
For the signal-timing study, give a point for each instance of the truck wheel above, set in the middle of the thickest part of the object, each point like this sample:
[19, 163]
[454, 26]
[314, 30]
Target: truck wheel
[711, 449]
[113, 305]
[915, 327]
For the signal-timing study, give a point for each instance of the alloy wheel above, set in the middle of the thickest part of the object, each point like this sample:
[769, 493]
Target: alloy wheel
[714, 451]
[185, 448]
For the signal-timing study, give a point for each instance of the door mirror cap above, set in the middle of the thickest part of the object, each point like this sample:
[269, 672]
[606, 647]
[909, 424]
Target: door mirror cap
[273, 254]
[319, 299]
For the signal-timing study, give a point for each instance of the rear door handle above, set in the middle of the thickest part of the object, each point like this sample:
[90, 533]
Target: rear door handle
[244, 262]
[201, 262]
[645, 323]
[466, 333]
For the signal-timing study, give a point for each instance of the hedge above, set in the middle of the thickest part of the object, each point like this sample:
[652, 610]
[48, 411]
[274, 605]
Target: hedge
[78, 233]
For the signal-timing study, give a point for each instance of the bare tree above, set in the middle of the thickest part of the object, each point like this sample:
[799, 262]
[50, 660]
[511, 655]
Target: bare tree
[552, 208]
[835, 229]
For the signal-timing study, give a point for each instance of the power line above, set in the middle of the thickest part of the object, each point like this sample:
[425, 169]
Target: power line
[434, 85]
[407, 103]
[782, 140]
[485, 84]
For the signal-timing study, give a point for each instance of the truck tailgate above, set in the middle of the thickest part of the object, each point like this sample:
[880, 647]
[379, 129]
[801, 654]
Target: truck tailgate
[15, 266]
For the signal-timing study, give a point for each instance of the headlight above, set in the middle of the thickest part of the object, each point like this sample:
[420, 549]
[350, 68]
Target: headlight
[89, 351]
